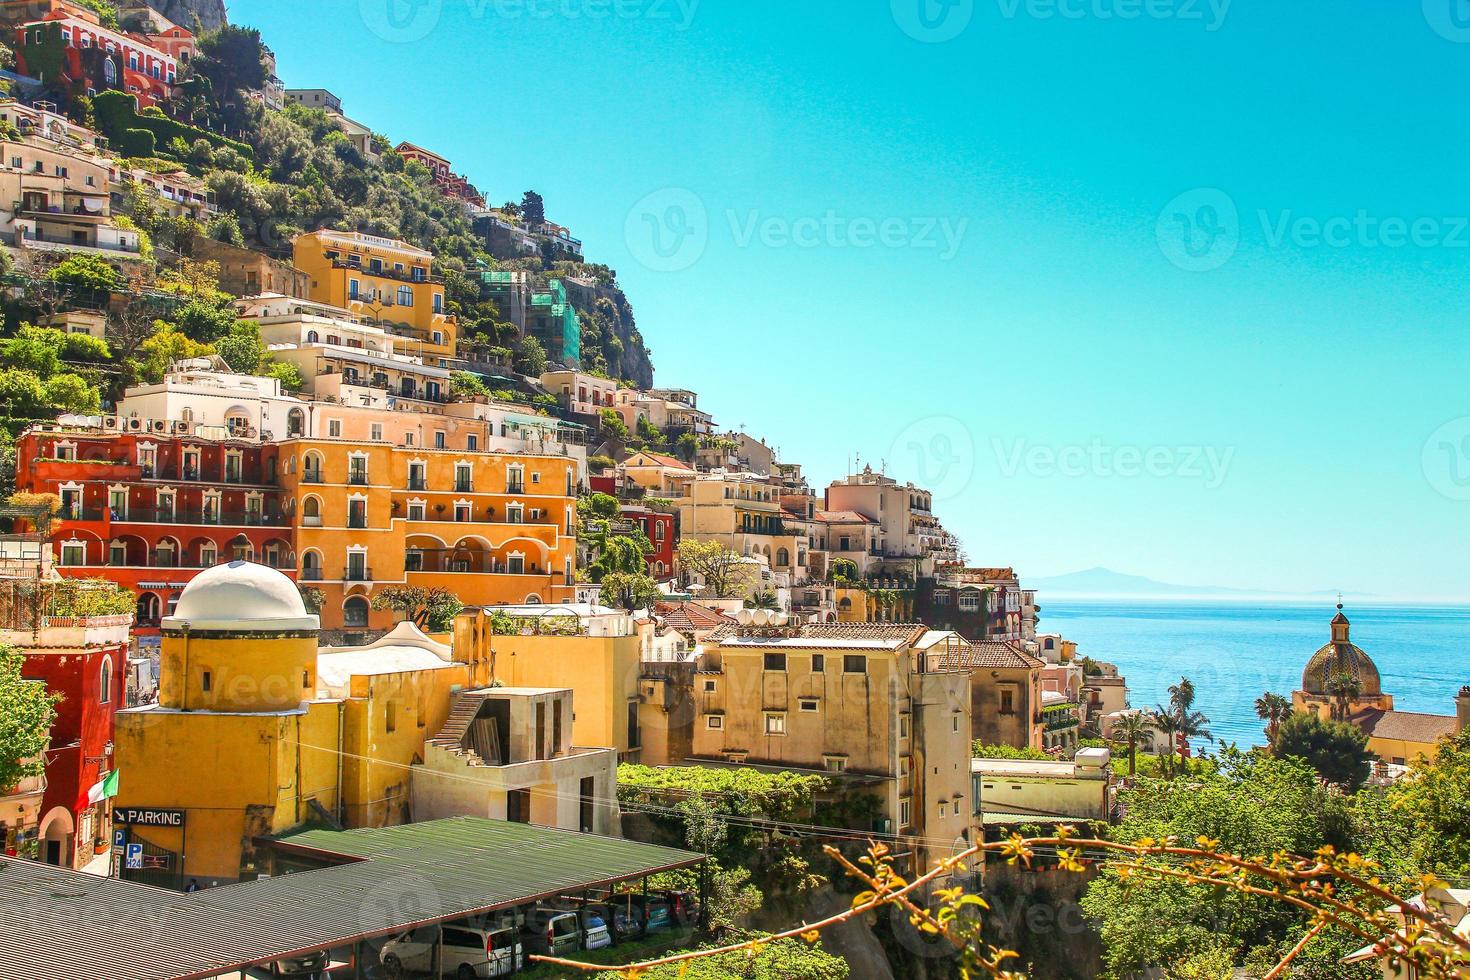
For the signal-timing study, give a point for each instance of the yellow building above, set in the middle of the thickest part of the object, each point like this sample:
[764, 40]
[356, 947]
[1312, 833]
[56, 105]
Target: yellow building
[385, 279]
[593, 650]
[742, 512]
[491, 528]
[254, 733]
[856, 701]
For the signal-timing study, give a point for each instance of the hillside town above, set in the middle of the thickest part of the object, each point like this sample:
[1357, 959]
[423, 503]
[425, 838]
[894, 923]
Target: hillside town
[342, 561]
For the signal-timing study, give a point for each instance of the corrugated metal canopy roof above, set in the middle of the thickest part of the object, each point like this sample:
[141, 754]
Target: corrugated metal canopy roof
[57, 924]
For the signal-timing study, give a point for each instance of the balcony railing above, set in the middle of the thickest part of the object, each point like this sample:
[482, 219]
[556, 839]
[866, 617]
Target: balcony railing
[226, 518]
[406, 275]
[418, 483]
[357, 522]
[358, 575]
[81, 514]
[466, 486]
[311, 575]
[357, 478]
[312, 476]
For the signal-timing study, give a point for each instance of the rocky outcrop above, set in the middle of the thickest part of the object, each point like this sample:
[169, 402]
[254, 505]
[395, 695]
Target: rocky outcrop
[210, 14]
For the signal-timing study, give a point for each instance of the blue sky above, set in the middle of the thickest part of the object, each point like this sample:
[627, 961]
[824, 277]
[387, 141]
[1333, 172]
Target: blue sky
[1171, 286]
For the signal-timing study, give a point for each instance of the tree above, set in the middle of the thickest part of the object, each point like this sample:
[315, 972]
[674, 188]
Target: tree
[27, 710]
[241, 348]
[629, 590]
[530, 357]
[205, 320]
[1343, 688]
[431, 610]
[1253, 804]
[844, 569]
[599, 506]
[533, 208]
[612, 424]
[160, 351]
[467, 385]
[288, 374]
[1273, 709]
[1336, 749]
[687, 446]
[1436, 807]
[1130, 729]
[717, 566]
[763, 600]
[87, 274]
[982, 751]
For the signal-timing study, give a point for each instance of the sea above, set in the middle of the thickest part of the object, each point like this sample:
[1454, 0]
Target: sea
[1235, 650]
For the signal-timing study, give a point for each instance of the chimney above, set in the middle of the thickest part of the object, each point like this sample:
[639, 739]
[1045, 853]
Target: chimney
[1462, 710]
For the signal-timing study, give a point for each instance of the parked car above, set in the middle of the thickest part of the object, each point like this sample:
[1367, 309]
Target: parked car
[596, 921]
[552, 932]
[686, 906]
[656, 911]
[301, 967]
[469, 951]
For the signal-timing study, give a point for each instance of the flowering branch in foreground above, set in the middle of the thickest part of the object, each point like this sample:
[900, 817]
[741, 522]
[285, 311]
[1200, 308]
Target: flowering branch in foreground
[1341, 890]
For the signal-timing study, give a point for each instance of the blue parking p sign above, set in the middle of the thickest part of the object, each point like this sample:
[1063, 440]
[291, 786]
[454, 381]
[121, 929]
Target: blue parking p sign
[119, 837]
[134, 860]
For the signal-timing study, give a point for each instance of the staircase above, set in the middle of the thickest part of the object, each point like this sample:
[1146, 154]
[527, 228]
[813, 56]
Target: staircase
[466, 706]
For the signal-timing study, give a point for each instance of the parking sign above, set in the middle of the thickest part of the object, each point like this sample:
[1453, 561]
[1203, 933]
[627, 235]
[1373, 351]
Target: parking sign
[134, 860]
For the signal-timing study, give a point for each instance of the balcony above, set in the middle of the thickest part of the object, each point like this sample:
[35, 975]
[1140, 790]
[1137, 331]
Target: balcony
[464, 486]
[311, 575]
[515, 486]
[312, 476]
[418, 483]
[465, 563]
[358, 478]
[81, 514]
[213, 518]
[405, 275]
[357, 522]
[357, 575]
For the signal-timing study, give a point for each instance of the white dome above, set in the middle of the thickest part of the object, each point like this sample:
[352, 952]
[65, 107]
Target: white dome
[241, 596]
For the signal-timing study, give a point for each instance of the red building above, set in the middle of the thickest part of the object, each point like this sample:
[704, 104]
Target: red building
[90, 58]
[149, 510]
[83, 659]
[450, 183]
[659, 528]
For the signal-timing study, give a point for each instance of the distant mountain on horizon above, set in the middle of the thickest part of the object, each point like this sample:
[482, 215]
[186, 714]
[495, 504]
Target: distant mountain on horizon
[1106, 582]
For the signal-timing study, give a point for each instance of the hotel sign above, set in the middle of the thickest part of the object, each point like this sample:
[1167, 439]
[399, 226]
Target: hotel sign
[134, 816]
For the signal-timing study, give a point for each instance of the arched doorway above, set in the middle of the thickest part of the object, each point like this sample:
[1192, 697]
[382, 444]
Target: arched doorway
[149, 609]
[56, 832]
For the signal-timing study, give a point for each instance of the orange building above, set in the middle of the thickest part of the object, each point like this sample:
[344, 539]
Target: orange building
[492, 528]
[386, 280]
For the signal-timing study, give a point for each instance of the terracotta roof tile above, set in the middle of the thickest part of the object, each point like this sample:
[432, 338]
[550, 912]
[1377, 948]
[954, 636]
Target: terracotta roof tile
[686, 617]
[841, 517]
[994, 654]
[1407, 726]
[905, 633]
[659, 459]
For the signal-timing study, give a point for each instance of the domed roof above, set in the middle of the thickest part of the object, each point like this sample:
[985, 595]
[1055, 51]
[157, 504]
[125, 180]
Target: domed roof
[1339, 658]
[241, 595]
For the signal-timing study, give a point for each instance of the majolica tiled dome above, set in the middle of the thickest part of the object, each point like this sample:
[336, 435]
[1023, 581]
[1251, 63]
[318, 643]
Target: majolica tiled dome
[1338, 658]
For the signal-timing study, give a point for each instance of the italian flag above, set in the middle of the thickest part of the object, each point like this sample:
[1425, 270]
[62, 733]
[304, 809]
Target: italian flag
[105, 789]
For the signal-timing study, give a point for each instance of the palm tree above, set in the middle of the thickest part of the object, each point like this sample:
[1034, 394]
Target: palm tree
[1191, 724]
[1166, 722]
[1273, 709]
[1181, 695]
[1130, 729]
[763, 600]
[1343, 687]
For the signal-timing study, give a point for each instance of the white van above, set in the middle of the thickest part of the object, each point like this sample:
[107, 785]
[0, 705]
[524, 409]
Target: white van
[469, 952]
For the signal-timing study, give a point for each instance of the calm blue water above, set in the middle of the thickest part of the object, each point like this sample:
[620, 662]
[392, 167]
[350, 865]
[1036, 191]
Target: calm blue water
[1234, 651]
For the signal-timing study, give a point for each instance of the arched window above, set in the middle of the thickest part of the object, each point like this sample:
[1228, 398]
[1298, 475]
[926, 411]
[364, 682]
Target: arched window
[312, 336]
[783, 557]
[311, 507]
[295, 422]
[109, 71]
[355, 612]
[106, 695]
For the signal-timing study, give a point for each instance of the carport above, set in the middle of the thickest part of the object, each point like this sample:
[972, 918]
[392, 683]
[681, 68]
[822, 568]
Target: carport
[329, 890]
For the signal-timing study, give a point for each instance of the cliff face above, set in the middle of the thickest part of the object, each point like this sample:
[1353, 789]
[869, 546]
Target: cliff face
[211, 13]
